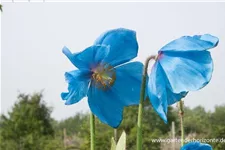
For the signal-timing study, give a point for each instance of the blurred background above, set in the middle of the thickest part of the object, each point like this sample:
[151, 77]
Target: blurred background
[33, 116]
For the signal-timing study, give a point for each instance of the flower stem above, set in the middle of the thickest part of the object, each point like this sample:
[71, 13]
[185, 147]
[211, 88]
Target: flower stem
[92, 131]
[181, 114]
[140, 109]
[115, 135]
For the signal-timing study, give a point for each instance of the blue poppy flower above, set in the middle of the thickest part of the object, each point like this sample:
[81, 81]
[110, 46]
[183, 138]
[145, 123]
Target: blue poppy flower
[182, 65]
[196, 146]
[103, 78]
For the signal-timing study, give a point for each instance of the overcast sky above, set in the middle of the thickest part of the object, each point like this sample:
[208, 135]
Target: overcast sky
[33, 35]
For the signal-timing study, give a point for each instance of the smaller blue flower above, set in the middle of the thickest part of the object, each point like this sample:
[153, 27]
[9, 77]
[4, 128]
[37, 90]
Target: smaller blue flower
[196, 146]
[102, 76]
[181, 66]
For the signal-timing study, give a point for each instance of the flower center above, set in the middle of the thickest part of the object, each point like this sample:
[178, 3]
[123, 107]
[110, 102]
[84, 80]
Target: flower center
[103, 76]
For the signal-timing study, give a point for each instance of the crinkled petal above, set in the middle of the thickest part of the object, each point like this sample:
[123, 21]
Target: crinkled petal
[105, 105]
[196, 146]
[123, 45]
[128, 83]
[159, 94]
[195, 43]
[77, 86]
[188, 71]
[157, 91]
[89, 57]
[172, 98]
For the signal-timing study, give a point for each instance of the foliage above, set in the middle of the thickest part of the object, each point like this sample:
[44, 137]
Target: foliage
[217, 120]
[29, 127]
[153, 127]
[196, 121]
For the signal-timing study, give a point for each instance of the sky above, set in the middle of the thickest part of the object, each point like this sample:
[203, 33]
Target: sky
[33, 35]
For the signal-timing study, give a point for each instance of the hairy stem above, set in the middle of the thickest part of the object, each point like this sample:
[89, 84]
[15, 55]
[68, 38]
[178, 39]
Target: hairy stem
[140, 109]
[92, 131]
[181, 114]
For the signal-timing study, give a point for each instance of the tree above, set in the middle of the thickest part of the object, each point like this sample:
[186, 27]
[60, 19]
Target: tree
[28, 126]
[197, 121]
[217, 120]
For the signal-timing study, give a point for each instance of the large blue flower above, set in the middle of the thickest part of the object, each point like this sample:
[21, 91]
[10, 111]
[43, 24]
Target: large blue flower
[103, 78]
[196, 146]
[182, 65]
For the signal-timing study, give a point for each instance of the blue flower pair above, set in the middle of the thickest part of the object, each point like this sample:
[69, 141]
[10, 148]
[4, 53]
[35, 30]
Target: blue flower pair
[110, 83]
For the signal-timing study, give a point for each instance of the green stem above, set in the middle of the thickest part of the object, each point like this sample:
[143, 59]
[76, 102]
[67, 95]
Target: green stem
[92, 131]
[181, 114]
[140, 109]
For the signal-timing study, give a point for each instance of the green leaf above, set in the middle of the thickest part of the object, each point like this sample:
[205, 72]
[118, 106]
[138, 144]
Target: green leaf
[113, 144]
[121, 145]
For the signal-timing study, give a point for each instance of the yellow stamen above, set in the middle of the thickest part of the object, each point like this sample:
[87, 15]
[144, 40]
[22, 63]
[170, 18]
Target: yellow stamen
[104, 76]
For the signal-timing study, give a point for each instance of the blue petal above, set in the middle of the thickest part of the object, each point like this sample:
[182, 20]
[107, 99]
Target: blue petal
[123, 45]
[159, 93]
[195, 43]
[188, 71]
[106, 106]
[128, 83]
[196, 146]
[78, 86]
[89, 57]
[172, 98]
